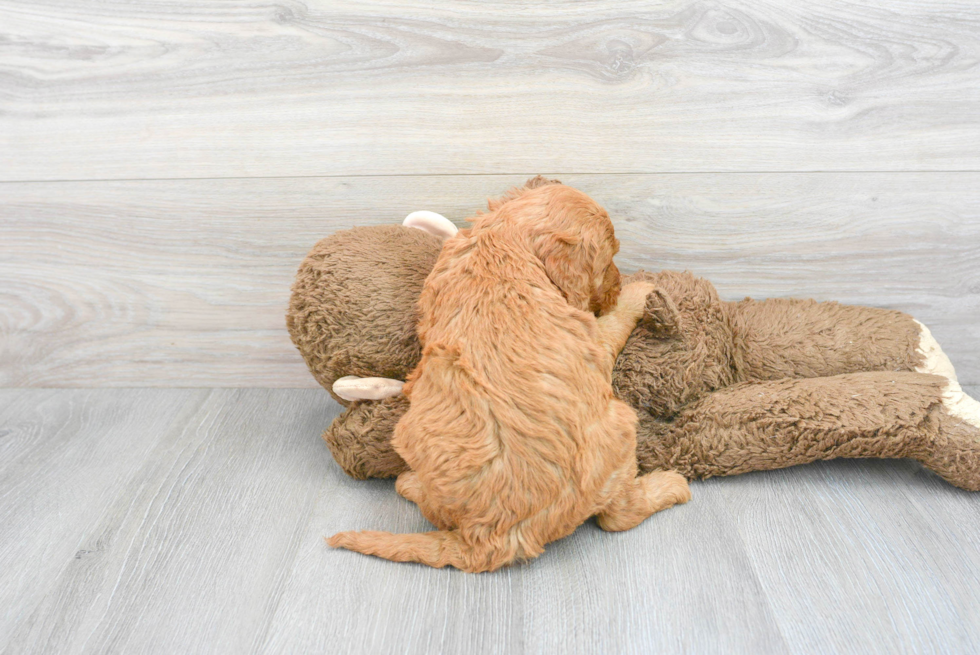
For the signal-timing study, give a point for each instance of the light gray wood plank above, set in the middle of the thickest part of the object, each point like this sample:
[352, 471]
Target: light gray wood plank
[185, 283]
[65, 456]
[337, 601]
[679, 583]
[191, 556]
[203, 533]
[870, 556]
[95, 90]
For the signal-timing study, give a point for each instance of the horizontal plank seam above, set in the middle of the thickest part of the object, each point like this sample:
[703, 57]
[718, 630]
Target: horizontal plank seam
[546, 172]
[139, 387]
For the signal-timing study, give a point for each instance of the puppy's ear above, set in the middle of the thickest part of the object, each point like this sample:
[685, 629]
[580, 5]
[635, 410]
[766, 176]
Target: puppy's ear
[567, 264]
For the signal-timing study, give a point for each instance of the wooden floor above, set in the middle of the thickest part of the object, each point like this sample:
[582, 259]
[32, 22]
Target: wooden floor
[165, 165]
[191, 521]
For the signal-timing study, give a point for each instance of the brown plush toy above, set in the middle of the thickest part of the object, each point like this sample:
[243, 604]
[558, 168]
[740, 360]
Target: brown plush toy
[720, 387]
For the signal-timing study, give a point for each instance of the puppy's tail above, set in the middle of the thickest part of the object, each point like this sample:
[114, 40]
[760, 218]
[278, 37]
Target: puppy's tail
[438, 549]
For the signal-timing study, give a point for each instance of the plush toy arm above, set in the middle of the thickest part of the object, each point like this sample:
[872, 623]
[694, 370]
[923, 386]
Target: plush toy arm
[757, 426]
[360, 438]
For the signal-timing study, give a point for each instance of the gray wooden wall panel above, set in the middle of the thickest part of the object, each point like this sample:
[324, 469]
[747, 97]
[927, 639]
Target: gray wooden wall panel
[185, 282]
[217, 88]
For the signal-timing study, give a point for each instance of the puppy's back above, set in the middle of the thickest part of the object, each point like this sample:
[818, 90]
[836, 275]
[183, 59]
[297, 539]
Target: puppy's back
[509, 383]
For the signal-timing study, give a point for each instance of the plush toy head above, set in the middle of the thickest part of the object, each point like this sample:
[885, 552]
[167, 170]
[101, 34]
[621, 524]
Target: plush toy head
[353, 317]
[352, 311]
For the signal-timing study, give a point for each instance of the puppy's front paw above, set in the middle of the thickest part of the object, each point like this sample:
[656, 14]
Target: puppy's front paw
[633, 297]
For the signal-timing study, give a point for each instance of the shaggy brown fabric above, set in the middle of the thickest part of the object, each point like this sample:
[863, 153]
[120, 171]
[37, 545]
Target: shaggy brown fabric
[721, 388]
[360, 438]
[352, 310]
[692, 343]
[764, 425]
[780, 338]
[953, 450]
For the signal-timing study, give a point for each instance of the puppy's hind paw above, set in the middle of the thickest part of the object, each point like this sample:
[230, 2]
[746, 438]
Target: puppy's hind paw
[666, 488]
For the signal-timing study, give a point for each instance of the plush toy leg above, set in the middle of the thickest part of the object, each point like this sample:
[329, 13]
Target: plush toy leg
[786, 338]
[954, 451]
[642, 497]
[437, 549]
[757, 426]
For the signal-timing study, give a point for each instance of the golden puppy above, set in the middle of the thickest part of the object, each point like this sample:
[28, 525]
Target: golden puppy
[513, 435]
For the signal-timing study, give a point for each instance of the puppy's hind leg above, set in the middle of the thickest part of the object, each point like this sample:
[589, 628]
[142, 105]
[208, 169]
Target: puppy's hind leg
[641, 497]
[408, 487]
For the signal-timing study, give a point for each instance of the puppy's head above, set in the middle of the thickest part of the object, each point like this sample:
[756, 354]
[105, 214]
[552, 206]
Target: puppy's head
[571, 235]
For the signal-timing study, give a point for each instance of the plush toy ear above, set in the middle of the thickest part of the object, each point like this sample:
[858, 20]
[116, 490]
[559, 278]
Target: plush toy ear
[352, 388]
[661, 314]
[431, 222]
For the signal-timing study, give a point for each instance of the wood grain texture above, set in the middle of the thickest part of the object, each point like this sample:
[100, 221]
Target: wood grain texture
[185, 282]
[162, 521]
[192, 552]
[864, 555]
[217, 88]
[65, 457]
[591, 592]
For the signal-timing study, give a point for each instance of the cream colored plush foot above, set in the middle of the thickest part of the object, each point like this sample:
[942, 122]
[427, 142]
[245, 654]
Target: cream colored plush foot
[936, 362]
